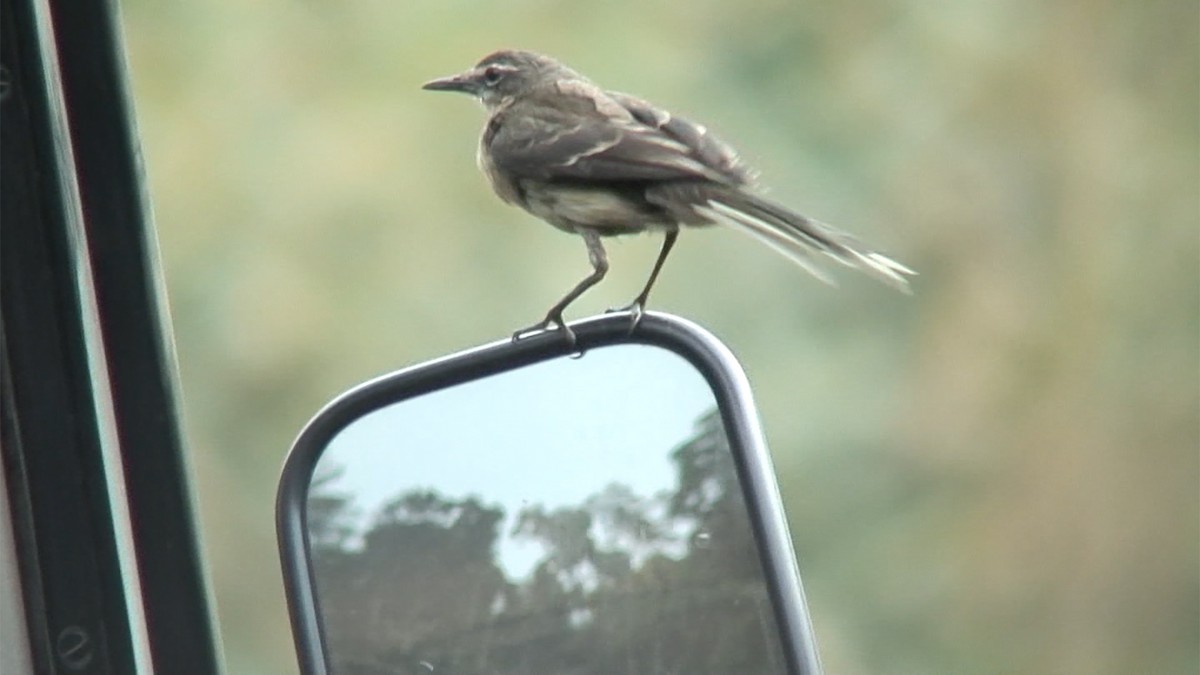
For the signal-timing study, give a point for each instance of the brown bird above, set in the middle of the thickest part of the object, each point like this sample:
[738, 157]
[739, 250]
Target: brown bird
[598, 163]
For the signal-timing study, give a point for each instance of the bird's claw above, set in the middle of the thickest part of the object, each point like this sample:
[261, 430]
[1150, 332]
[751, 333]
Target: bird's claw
[544, 326]
[635, 310]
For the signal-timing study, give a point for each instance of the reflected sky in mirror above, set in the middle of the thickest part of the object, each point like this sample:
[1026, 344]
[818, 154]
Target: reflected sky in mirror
[576, 515]
[586, 423]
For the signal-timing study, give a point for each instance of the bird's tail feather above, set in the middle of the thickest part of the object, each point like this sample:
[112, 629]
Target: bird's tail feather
[801, 238]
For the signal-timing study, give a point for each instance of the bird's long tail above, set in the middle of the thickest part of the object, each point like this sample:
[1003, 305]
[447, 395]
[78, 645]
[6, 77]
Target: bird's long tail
[798, 237]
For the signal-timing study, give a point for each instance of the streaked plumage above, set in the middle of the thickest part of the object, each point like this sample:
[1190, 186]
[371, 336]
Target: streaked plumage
[600, 163]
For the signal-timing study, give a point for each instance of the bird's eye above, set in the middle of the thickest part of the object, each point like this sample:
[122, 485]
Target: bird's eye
[492, 75]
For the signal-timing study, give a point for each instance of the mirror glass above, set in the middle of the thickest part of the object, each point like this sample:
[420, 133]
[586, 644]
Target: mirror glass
[578, 515]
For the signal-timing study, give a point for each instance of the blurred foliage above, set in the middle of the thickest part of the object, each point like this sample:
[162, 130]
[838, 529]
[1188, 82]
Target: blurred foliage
[998, 474]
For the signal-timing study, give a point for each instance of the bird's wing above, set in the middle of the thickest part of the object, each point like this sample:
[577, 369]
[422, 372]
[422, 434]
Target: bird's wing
[550, 142]
[705, 147]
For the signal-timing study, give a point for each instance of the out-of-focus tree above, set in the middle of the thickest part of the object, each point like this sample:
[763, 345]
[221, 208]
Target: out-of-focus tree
[997, 474]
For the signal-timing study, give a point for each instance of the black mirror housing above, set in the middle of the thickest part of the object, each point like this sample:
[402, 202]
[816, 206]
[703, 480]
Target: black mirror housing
[661, 349]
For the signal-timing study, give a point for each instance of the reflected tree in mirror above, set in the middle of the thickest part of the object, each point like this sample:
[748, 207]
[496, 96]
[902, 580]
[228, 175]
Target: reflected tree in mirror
[574, 516]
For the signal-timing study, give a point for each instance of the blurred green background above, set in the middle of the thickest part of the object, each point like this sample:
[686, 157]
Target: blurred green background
[996, 475]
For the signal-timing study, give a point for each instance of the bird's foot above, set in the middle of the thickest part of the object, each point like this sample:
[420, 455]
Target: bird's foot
[635, 310]
[550, 323]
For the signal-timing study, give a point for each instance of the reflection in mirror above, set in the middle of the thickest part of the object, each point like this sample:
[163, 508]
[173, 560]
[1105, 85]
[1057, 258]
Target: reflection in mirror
[572, 516]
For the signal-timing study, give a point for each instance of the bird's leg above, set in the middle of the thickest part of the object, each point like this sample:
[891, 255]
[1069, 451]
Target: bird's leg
[668, 242]
[599, 260]
[639, 303]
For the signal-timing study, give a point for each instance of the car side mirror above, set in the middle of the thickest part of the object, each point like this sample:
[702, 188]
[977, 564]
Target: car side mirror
[529, 507]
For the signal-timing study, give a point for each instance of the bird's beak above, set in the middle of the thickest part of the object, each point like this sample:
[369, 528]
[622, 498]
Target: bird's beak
[464, 82]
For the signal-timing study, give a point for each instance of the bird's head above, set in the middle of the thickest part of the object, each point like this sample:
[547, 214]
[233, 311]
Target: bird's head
[502, 76]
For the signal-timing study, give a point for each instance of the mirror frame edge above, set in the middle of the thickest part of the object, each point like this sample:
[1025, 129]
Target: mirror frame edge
[700, 348]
